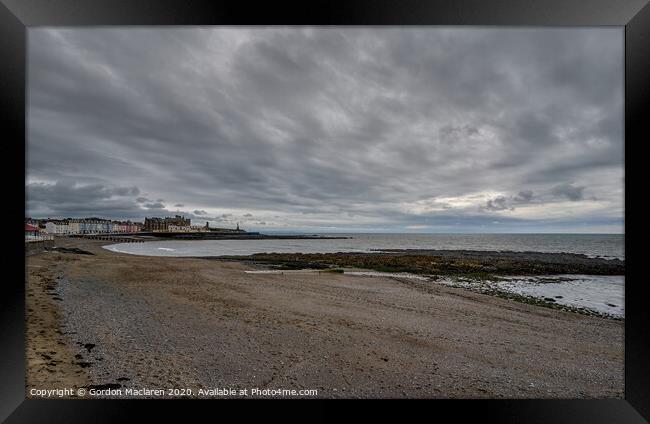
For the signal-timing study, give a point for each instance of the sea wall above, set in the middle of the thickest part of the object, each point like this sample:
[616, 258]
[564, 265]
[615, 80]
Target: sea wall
[33, 247]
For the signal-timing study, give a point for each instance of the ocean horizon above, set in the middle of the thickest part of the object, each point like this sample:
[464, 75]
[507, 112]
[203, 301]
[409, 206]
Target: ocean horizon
[609, 246]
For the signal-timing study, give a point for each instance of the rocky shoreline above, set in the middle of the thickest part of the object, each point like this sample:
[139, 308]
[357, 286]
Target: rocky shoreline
[487, 287]
[444, 262]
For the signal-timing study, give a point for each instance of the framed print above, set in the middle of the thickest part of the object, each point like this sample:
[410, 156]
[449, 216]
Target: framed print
[224, 201]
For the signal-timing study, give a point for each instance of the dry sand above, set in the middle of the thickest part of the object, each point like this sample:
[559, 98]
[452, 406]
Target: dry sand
[157, 322]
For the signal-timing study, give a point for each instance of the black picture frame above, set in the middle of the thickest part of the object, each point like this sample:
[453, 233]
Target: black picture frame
[17, 15]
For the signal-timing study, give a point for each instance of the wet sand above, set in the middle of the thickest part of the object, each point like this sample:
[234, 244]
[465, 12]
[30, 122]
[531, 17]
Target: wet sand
[160, 322]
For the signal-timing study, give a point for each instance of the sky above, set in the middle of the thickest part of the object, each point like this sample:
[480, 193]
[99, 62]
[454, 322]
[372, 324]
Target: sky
[364, 129]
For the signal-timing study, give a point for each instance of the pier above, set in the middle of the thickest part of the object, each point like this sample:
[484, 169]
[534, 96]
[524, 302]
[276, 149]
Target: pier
[110, 237]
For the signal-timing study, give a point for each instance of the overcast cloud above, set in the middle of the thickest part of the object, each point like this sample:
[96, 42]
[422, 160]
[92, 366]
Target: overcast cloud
[330, 129]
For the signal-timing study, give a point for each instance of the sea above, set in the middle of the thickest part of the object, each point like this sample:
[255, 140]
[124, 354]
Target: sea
[608, 246]
[603, 294]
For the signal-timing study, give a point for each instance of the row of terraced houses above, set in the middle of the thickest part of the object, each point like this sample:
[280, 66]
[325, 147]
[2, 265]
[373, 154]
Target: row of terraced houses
[86, 226]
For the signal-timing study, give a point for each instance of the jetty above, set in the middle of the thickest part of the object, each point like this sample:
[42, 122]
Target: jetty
[144, 236]
[230, 235]
[117, 238]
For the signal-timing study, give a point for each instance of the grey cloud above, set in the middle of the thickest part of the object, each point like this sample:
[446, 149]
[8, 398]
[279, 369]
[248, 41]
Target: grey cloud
[570, 191]
[200, 212]
[322, 122]
[126, 191]
[501, 203]
[453, 133]
[68, 198]
[497, 204]
[62, 191]
[524, 196]
[156, 205]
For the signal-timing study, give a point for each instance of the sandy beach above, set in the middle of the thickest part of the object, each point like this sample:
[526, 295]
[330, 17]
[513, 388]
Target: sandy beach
[124, 321]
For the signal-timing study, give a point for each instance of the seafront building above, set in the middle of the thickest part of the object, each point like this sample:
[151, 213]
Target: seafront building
[200, 228]
[74, 226]
[177, 223]
[70, 226]
[32, 231]
[34, 234]
[179, 228]
[187, 229]
[132, 227]
[56, 227]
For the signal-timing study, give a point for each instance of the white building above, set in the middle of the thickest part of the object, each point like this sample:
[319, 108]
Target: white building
[91, 227]
[179, 228]
[74, 227]
[56, 227]
[119, 227]
[107, 227]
